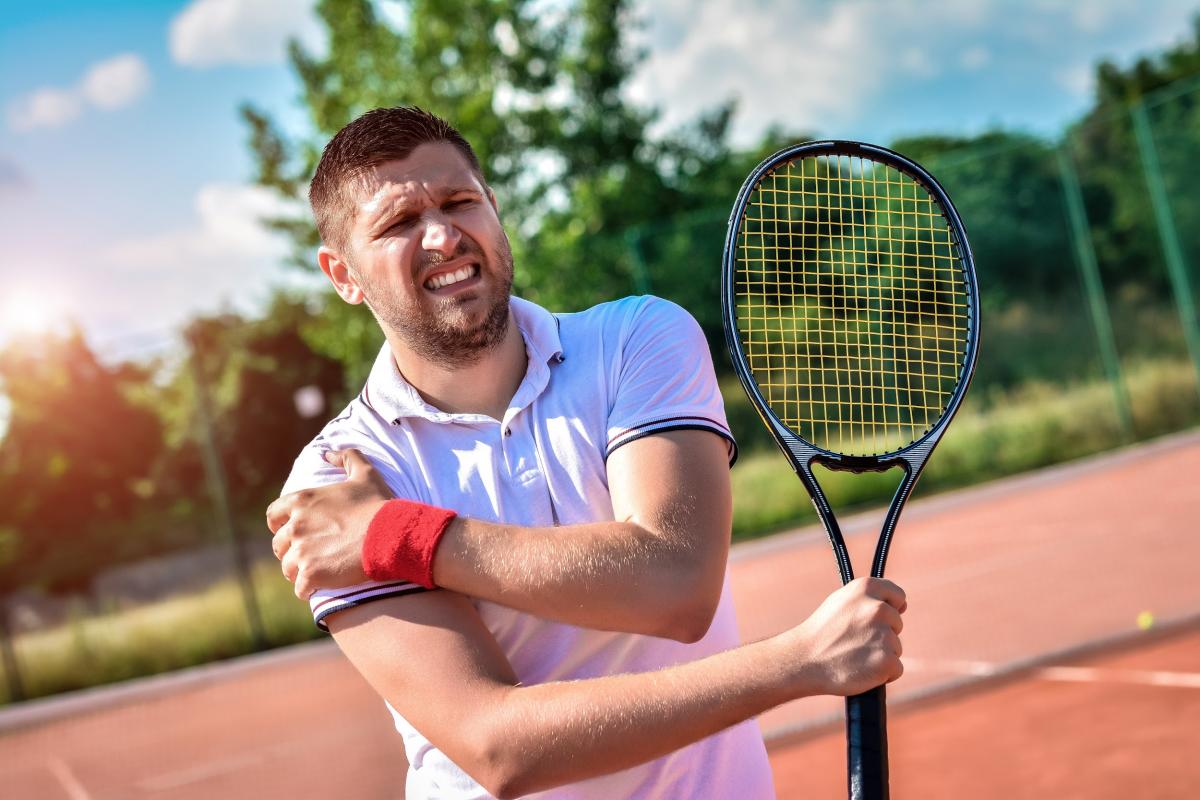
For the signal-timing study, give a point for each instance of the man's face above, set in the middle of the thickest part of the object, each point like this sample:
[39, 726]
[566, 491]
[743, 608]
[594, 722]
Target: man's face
[426, 248]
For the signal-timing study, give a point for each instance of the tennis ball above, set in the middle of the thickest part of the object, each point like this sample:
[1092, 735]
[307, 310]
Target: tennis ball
[1145, 620]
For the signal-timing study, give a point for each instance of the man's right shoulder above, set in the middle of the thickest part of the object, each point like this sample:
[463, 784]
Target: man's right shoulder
[358, 427]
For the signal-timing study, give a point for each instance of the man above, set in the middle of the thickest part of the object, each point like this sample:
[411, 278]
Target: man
[581, 642]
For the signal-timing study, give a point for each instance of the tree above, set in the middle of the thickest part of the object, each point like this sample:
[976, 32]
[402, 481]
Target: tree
[1007, 189]
[1107, 148]
[254, 370]
[541, 99]
[76, 464]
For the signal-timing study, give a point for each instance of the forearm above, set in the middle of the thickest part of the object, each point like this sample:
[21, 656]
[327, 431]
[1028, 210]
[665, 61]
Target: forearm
[606, 575]
[548, 735]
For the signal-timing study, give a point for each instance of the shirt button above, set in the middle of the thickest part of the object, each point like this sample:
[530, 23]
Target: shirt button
[508, 431]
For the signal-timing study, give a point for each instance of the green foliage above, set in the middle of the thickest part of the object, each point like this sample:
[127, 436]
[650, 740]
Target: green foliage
[1111, 168]
[540, 96]
[1006, 188]
[1008, 433]
[76, 448]
[253, 370]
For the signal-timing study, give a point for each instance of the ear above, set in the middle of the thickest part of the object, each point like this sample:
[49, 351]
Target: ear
[340, 275]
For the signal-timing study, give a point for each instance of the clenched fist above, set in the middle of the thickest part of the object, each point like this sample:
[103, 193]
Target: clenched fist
[851, 643]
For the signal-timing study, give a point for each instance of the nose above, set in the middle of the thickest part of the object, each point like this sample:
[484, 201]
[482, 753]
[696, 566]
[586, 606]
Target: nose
[440, 236]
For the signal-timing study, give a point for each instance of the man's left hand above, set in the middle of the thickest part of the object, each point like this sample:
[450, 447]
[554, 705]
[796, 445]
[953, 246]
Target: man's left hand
[319, 533]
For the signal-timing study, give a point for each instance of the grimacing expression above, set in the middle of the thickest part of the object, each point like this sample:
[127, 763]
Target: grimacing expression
[430, 256]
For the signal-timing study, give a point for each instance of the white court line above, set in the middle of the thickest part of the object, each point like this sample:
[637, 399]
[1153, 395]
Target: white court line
[1175, 680]
[984, 669]
[66, 779]
[179, 778]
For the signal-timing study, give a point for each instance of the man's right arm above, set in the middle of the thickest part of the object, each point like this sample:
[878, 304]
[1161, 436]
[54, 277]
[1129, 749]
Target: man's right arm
[433, 660]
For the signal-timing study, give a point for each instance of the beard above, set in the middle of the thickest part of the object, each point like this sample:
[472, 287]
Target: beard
[442, 330]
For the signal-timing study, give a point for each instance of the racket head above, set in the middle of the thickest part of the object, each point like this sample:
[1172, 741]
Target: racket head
[850, 304]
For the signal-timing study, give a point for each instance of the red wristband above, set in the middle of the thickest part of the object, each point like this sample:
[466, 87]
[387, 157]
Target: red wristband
[401, 541]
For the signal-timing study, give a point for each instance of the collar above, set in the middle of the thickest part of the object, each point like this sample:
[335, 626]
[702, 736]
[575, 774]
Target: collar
[394, 398]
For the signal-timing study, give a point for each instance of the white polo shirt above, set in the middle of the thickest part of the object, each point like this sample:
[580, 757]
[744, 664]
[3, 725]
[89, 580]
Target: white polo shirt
[596, 380]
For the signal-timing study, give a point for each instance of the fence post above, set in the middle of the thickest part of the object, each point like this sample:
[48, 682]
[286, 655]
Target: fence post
[8, 654]
[1085, 259]
[1169, 236]
[219, 487]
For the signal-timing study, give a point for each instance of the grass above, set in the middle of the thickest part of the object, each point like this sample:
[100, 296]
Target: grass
[1003, 434]
[996, 435]
[183, 631]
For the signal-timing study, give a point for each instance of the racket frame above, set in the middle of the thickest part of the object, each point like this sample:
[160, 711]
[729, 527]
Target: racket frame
[866, 714]
[801, 453]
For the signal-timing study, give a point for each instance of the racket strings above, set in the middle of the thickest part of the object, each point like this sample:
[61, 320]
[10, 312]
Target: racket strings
[852, 303]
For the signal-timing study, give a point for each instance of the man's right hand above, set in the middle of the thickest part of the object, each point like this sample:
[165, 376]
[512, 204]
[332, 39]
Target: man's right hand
[318, 533]
[851, 643]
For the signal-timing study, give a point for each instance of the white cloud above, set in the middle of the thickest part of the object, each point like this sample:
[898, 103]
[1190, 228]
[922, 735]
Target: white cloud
[115, 83]
[1079, 79]
[47, 107]
[975, 57]
[212, 32]
[229, 225]
[820, 70]
[917, 62]
[842, 68]
[225, 258]
[107, 85]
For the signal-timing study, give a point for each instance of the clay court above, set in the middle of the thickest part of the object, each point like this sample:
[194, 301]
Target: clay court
[1028, 673]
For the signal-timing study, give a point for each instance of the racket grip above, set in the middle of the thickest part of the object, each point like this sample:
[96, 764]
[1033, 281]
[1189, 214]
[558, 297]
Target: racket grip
[866, 745]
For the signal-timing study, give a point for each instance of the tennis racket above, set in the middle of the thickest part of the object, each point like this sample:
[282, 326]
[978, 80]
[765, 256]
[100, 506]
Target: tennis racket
[852, 314]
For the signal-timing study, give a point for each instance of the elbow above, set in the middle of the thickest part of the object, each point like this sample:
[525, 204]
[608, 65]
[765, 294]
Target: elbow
[496, 764]
[509, 779]
[689, 603]
[690, 625]
[688, 614]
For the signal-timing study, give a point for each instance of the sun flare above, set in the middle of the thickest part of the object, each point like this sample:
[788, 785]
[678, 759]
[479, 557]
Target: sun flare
[25, 313]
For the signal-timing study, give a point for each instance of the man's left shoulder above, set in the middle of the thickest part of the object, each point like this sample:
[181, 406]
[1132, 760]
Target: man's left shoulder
[617, 320]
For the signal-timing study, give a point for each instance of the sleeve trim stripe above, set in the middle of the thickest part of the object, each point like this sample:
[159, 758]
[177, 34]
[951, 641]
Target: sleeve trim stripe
[363, 590]
[711, 423]
[633, 435]
[334, 604]
[354, 595]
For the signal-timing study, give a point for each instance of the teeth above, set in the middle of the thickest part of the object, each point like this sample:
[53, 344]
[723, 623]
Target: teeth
[448, 278]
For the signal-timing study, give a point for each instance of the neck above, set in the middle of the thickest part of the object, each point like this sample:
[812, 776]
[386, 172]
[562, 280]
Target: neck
[485, 386]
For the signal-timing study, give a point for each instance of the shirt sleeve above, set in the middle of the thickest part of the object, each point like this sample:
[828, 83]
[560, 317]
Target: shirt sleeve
[311, 470]
[665, 379]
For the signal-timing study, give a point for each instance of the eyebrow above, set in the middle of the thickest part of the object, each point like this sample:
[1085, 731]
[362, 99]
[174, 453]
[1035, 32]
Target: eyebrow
[397, 206]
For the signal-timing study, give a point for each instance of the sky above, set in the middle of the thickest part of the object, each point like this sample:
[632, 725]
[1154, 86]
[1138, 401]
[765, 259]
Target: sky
[126, 201]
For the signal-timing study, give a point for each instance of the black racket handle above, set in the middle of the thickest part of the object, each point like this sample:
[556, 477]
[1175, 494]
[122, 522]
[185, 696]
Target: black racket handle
[866, 745]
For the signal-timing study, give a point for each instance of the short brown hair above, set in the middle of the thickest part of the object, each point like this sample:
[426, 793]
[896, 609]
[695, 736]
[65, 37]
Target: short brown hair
[384, 134]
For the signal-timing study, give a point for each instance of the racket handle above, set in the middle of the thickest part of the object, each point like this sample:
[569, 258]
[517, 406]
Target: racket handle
[866, 745]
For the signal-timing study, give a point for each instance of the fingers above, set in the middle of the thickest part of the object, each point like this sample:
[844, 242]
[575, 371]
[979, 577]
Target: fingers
[303, 586]
[891, 616]
[281, 542]
[279, 511]
[290, 564]
[888, 592]
[352, 461]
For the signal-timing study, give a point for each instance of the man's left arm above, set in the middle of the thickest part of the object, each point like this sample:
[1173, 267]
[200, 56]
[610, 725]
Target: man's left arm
[656, 569]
